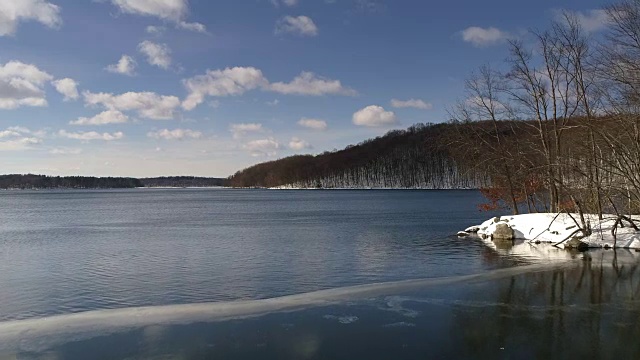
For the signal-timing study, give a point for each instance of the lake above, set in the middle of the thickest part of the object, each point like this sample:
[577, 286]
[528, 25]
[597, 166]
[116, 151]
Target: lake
[201, 273]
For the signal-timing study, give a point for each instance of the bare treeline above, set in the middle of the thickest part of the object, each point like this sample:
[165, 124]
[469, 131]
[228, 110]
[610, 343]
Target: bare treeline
[579, 94]
[418, 157]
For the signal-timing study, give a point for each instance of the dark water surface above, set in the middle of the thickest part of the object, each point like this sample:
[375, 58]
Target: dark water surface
[189, 274]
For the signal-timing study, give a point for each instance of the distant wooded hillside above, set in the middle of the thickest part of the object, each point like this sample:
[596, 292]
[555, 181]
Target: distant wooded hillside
[420, 157]
[65, 182]
[29, 181]
[182, 181]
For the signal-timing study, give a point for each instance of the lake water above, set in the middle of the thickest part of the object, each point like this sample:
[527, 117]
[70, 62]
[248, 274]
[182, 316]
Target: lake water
[294, 274]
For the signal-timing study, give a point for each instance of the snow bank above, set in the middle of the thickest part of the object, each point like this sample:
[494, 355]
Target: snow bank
[555, 228]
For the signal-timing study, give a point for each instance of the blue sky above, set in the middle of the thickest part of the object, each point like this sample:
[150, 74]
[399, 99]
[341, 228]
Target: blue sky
[208, 87]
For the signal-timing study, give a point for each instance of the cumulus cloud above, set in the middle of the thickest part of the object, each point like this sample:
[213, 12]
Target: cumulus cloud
[104, 118]
[298, 25]
[263, 147]
[590, 21]
[157, 54]
[411, 103]
[91, 135]
[17, 138]
[481, 37]
[238, 80]
[67, 87]
[174, 11]
[314, 124]
[299, 144]
[23, 131]
[12, 12]
[227, 82]
[374, 116]
[308, 83]
[147, 104]
[20, 144]
[240, 130]
[125, 66]
[176, 134]
[22, 85]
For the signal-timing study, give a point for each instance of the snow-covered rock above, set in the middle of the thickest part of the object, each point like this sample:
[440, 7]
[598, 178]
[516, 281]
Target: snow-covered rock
[555, 228]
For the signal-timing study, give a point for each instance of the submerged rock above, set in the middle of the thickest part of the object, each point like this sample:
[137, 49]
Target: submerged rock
[503, 232]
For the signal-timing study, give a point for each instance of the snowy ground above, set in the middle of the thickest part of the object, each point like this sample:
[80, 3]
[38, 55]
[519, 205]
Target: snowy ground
[554, 228]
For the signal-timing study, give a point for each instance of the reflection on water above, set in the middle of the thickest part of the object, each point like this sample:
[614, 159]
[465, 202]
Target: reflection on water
[585, 309]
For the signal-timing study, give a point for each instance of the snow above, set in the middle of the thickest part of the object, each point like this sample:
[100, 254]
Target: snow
[555, 228]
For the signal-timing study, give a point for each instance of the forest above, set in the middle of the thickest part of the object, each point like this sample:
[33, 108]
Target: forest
[555, 127]
[66, 182]
[418, 157]
[182, 181]
[30, 181]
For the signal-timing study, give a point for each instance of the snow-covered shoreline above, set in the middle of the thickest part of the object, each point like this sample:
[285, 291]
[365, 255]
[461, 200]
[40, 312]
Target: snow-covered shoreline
[556, 228]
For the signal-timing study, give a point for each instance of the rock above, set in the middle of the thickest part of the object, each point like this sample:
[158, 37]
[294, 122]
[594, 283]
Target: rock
[503, 232]
[463, 233]
[472, 229]
[496, 219]
[576, 244]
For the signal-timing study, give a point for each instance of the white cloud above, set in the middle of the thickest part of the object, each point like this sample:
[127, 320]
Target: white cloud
[91, 135]
[104, 118]
[19, 138]
[263, 147]
[194, 26]
[591, 20]
[22, 85]
[275, 102]
[481, 37]
[240, 130]
[177, 134]
[411, 103]
[21, 131]
[174, 11]
[238, 80]
[227, 82]
[12, 12]
[9, 133]
[277, 3]
[157, 54]
[125, 66]
[24, 143]
[147, 104]
[155, 30]
[314, 124]
[299, 25]
[374, 116]
[307, 83]
[299, 144]
[67, 87]
[65, 151]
